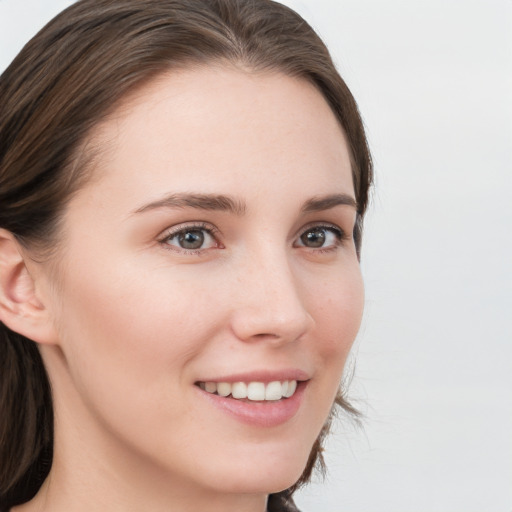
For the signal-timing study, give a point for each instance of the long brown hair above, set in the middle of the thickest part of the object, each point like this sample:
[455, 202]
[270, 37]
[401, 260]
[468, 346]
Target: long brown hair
[65, 80]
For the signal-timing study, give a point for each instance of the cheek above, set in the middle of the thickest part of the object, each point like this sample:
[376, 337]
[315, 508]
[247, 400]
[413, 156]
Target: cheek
[131, 330]
[128, 344]
[338, 312]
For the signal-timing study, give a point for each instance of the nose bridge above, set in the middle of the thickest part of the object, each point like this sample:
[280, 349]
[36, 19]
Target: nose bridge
[270, 303]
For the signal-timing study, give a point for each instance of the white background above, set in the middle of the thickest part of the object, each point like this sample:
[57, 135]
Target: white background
[434, 359]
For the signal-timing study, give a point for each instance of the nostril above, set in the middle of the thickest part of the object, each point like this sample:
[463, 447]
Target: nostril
[276, 314]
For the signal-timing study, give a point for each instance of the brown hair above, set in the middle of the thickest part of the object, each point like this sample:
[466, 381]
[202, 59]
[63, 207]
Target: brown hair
[68, 78]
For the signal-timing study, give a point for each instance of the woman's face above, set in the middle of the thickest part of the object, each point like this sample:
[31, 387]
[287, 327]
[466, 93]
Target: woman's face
[212, 246]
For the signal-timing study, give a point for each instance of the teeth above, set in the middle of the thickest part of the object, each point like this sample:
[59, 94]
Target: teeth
[275, 390]
[239, 390]
[224, 388]
[257, 391]
[292, 386]
[211, 387]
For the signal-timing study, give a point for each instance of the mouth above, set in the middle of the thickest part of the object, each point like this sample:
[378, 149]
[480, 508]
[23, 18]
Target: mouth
[252, 391]
[260, 401]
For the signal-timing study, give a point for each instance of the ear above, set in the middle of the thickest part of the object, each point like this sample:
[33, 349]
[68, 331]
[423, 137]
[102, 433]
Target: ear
[21, 310]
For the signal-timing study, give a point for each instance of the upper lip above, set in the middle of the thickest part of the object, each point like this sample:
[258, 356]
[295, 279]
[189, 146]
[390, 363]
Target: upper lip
[261, 376]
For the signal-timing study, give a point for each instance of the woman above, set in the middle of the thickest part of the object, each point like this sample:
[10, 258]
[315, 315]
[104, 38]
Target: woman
[182, 185]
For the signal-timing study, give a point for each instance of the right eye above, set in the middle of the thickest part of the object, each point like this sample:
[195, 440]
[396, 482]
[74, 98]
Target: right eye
[191, 239]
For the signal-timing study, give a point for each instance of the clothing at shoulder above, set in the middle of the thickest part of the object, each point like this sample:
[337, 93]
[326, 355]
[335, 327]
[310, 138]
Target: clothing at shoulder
[281, 502]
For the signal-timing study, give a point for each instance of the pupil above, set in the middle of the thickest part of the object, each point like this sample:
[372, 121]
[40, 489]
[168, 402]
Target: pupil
[314, 238]
[191, 239]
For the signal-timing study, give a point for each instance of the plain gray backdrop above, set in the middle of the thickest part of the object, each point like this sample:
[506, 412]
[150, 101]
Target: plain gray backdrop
[433, 362]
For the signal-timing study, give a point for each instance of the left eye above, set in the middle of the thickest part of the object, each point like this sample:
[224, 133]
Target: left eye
[191, 239]
[320, 237]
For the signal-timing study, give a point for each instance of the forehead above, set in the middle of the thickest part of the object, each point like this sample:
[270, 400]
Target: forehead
[219, 126]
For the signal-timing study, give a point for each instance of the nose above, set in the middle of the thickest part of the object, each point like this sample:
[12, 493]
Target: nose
[270, 304]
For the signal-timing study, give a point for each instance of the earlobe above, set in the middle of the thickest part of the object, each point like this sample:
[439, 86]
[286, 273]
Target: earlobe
[21, 310]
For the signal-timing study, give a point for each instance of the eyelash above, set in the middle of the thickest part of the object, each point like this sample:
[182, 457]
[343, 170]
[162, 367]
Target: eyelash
[212, 231]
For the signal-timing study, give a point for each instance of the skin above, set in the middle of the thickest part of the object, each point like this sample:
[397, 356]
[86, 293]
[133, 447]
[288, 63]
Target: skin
[136, 320]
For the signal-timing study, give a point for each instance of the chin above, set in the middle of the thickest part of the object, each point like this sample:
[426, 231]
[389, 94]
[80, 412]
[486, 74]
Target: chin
[258, 483]
[264, 474]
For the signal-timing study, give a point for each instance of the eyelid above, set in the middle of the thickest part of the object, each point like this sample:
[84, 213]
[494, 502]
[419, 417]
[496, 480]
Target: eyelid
[183, 226]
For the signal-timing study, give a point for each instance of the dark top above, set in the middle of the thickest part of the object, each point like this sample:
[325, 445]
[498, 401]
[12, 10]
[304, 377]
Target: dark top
[281, 502]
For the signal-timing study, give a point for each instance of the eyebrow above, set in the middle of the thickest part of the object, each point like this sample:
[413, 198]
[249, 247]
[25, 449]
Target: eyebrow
[219, 202]
[318, 204]
[212, 202]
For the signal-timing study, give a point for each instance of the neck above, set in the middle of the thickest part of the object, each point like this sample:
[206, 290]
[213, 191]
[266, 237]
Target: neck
[80, 488]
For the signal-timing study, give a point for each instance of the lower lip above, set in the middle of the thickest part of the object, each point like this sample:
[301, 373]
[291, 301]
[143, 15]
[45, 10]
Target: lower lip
[259, 414]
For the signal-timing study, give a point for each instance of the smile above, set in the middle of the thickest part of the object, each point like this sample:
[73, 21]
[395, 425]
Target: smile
[254, 391]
